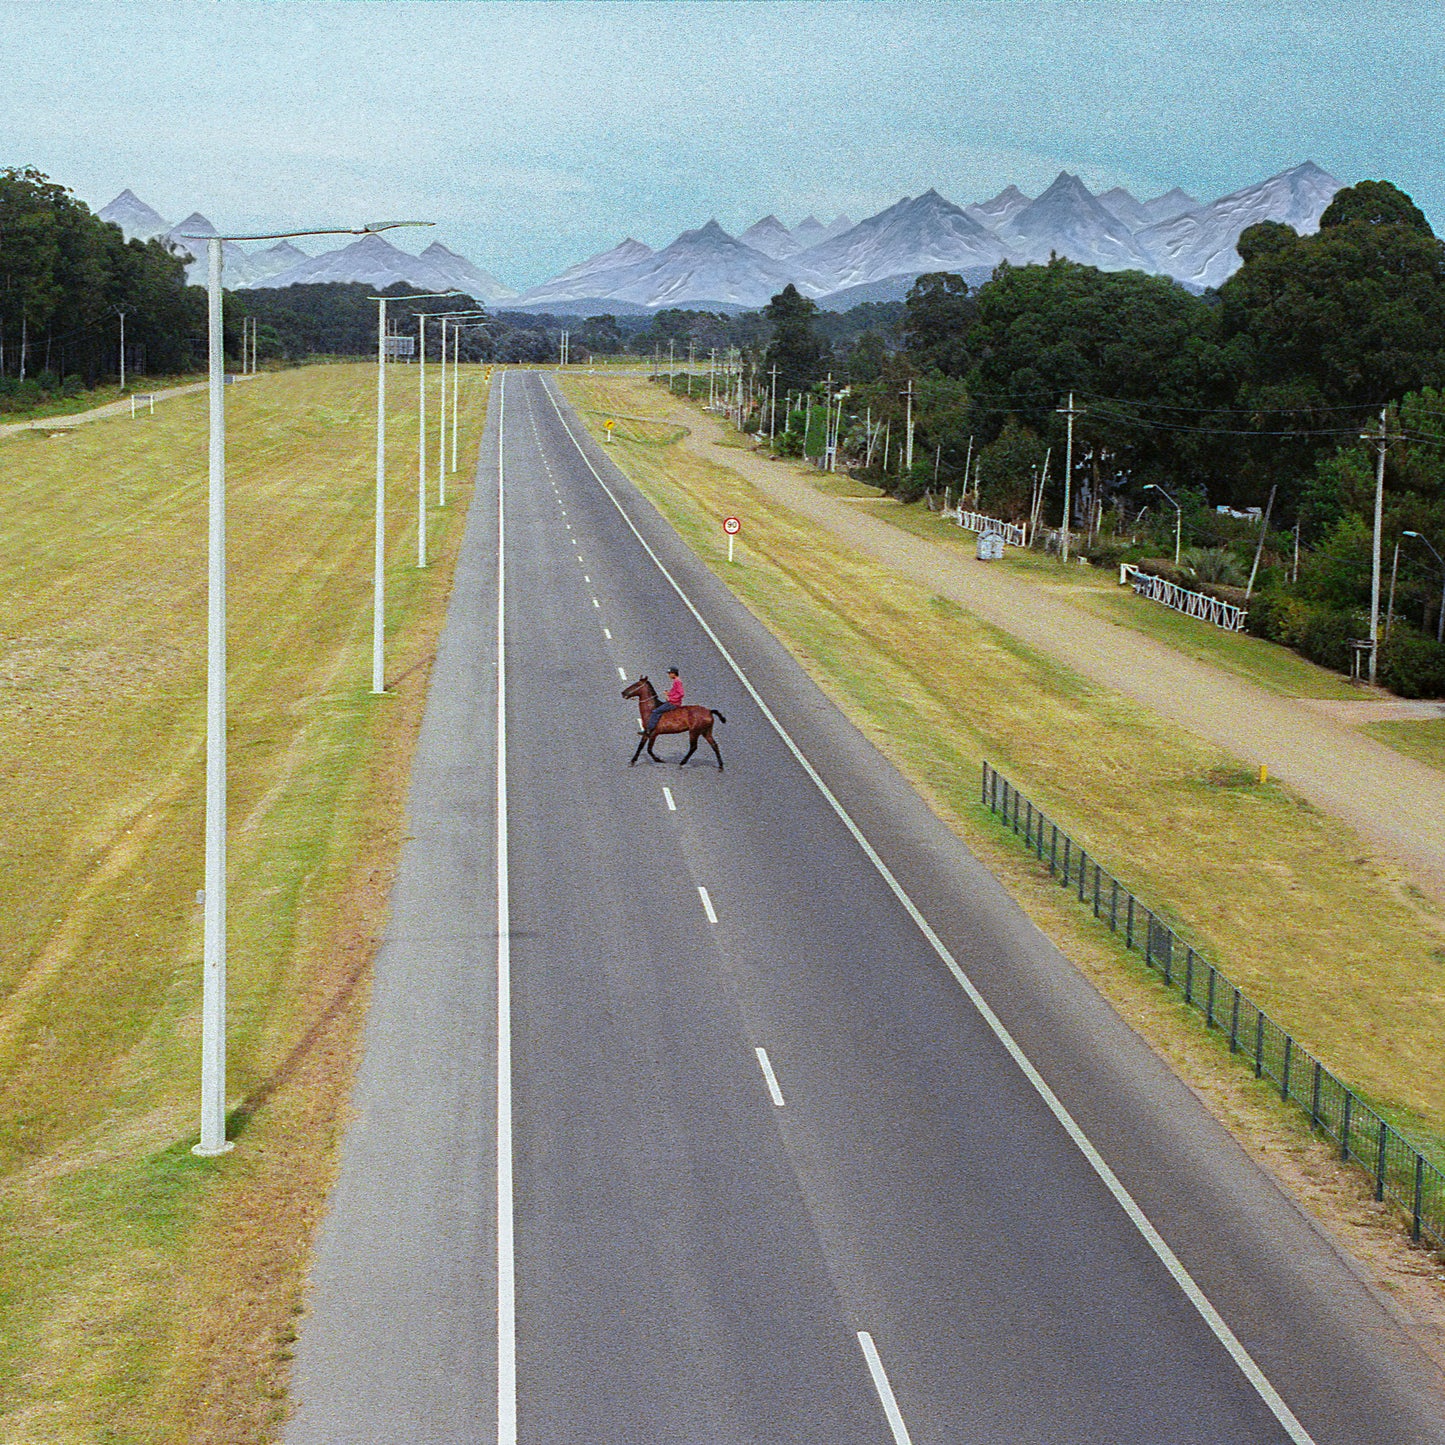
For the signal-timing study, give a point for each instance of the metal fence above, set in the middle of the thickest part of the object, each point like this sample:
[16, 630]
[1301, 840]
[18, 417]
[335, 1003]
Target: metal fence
[1015, 533]
[1181, 599]
[1399, 1171]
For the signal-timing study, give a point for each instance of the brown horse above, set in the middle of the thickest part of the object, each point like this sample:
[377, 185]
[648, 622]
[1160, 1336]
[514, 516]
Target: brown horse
[695, 721]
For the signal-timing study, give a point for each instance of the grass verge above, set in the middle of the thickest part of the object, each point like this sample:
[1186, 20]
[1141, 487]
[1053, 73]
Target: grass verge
[1338, 948]
[1424, 741]
[147, 1295]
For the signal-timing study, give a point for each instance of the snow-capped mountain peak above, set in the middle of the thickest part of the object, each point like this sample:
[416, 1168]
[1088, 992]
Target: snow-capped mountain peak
[1067, 219]
[137, 221]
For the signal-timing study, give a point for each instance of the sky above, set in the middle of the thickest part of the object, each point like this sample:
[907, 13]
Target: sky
[534, 135]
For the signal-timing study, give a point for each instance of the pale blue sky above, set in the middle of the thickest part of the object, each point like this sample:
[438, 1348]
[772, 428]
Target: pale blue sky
[536, 134]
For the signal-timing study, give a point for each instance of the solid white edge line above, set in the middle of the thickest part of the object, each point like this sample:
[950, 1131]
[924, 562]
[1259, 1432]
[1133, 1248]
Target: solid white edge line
[667, 793]
[885, 1390]
[506, 1235]
[771, 1077]
[1196, 1296]
[706, 904]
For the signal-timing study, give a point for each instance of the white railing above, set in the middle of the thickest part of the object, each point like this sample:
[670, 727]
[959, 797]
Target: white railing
[1014, 533]
[1181, 599]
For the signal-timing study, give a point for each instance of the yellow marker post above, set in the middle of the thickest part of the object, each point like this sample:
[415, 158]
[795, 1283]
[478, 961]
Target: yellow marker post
[609, 424]
[1263, 774]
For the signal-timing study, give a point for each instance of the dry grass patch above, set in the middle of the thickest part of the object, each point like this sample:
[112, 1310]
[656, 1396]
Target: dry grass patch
[148, 1295]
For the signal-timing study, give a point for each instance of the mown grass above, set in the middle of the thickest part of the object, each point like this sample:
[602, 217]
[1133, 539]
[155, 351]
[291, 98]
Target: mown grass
[1336, 946]
[1424, 741]
[147, 1295]
[64, 406]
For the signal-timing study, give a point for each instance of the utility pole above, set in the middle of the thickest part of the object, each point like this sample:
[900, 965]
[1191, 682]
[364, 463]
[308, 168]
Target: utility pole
[1375, 543]
[1068, 477]
[122, 350]
[908, 454]
[773, 406]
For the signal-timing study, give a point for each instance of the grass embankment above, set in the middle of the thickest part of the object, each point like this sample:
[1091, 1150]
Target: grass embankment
[1337, 948]
[65, 406]
[146, 1294]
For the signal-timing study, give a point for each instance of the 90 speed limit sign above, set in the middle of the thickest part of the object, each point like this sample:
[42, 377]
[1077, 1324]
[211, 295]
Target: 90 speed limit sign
[732, 526]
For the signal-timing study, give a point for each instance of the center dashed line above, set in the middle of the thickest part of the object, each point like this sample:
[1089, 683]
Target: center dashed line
[771, 1077]
[667, 793]
[706, 904]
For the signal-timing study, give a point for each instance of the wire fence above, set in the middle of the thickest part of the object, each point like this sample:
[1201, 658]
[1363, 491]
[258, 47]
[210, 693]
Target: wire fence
[1399, 1171]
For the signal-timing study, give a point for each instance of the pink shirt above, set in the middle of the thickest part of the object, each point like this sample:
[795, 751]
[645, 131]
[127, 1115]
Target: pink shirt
[674, 693]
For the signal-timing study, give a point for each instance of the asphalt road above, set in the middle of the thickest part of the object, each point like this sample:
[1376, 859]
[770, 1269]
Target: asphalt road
[770, 1173]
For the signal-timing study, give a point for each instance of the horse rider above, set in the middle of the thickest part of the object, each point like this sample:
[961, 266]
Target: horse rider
[672, 700]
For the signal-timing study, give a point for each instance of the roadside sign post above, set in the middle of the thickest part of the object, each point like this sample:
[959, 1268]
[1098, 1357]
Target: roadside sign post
[732, 527]
[609, 424]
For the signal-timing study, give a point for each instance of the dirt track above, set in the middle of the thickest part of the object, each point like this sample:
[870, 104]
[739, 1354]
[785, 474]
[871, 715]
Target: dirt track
[1395, 803]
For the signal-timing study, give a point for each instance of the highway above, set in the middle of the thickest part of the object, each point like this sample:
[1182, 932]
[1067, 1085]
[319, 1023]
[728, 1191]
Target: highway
[749, 1110]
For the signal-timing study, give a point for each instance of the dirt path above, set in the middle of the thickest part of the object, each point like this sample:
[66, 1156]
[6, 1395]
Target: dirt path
[100, 413]
[1395, 803]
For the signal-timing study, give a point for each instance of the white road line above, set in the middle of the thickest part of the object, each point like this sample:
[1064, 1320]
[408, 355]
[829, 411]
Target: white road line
[585, 577]
[1171, 1262]
[707, 905]
[608, 636]
[621, 671]
[667, 793]
[597, 604]
[506, 1234]
[885, 1390]
[771, 1077]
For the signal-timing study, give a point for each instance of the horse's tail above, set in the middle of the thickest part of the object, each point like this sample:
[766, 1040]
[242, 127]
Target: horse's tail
[717, 715]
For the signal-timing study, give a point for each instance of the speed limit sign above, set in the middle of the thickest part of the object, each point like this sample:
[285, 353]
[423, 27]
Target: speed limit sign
[732, 526]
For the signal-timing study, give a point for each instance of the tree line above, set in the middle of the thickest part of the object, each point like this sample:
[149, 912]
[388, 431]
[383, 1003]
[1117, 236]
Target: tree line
[65, 279]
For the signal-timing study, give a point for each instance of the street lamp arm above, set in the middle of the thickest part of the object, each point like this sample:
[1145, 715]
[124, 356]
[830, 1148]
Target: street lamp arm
[367, 230]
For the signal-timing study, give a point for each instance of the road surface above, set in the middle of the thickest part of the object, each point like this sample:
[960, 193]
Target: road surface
[746, 1109]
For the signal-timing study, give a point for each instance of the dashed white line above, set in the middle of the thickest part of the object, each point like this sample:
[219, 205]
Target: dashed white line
[585, 577]
[667, 793]
[771, 1077]
[885, 1390]
[621, 671]
[597, 604]
[608, 636]
[707, 904]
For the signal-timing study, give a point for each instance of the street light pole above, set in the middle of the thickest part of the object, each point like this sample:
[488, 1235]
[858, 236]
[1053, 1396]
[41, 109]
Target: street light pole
[122, 349]
[378, 585]
[1440, 621]
[1178, 516]
[213, 987]
[421, 439]
[1375, 545]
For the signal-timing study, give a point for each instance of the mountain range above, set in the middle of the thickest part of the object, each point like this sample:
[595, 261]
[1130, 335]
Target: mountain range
[371, 260]
[839, 264]
[879, 258]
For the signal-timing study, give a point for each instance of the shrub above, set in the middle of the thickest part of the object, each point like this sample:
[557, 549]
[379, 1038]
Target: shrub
[1413, 666]
[1107, 552]
[1214, 564]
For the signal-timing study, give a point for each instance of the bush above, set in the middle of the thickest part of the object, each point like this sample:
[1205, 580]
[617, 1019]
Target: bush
[1214, 564]
[1107, 552]
[1413, 666]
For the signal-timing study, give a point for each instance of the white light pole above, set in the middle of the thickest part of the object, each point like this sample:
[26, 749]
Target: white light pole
[122, 348]
[1178, 516]
[421, 439]
[213, 1002]
[455, 319]
[1440, 624]
[378, 588]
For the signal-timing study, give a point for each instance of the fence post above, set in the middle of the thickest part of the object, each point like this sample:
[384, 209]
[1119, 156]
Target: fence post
[1129, 925]
[983, 791]
[1016, 812]
[1189, 977]
[1114, 905]
[1284, 1072]
[1149, 939]
[1083, 872]
[1380, 1162]
[1029, 827]
[1054, 850]
[1096, 889]
[1315, 1096]
[1345, 1128]
[1234, 1024]
[1258, 1043]
[1066, 860]
[1169, 958]
[1419, 1195]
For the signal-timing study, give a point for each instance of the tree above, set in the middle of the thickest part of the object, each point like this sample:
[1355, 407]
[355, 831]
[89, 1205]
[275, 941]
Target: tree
[936, 323]
[794, 349]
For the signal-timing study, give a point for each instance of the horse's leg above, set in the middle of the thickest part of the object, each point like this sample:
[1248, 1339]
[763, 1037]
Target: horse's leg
[693, 735]
[649, 740]
[640, 742]
[712, 743]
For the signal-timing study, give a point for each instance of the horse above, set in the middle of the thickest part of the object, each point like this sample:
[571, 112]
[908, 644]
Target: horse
[695, 721]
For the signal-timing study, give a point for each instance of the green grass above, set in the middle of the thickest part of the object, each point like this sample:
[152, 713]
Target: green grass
[1424, 740]
[143, 1290]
